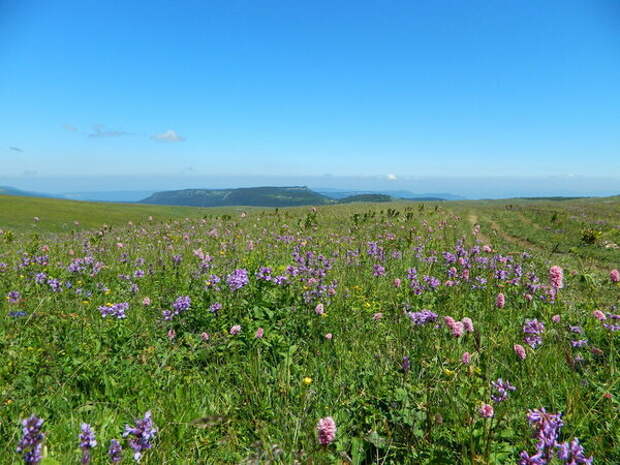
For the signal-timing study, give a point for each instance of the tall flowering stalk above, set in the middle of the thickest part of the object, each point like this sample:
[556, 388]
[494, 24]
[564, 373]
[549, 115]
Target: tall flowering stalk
[141, 435]
[31, 443]
[326, 431]
[87, 442]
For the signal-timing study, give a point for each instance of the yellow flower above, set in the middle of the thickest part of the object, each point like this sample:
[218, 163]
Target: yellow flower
[448, 372]
[324, 314]
[107, 291]
[307, 380]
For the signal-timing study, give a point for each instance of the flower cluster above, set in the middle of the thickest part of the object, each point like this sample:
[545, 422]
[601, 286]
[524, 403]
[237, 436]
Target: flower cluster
[31, 443]
[533, 330]
[115, 310]
[141, 435]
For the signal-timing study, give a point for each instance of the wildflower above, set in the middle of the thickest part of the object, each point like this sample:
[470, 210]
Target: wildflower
[319, 309]
[146, 301]
[533, 329]
[378, 270]
[556, 318]
[500, 300]
[556, 277]
[115, 310]
[236, 329]
[377, 316]
[326, 429]
[406, 365]
[141, 435]
[422, 317]
[171, 334]
[259, 333]
[486, 411]
[579, 343]
[329, 336]
[599, 315]
[502, 388]
[115, 451]
[205, 336]
[396, 282]
[237, 279]
[466, 358]
[458, 329]
[31, 443]
[13, 297]
[87, 442]
[468, 324]
[520, 351]
[307, 380]
[573, 453]
[614, 276]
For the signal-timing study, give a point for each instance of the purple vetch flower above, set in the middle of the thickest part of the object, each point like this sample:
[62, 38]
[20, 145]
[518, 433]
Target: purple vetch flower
[502, 388]
[180, 305]
[141, 435]
[87, 442]
[237, 279]
[378, 270]
[13, 297]
[115, 310]
[115, 451]
[573, 454]
[532, 330]
[422, 317]
[31, 443]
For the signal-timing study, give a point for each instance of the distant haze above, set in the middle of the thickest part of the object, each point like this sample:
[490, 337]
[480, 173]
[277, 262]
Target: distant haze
[132, 188]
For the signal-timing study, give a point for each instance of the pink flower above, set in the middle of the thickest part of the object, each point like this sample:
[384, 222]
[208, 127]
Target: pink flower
[205, 336]
[397, 282]
[458, 329]
[172, 334]
[500, 300]
[528, 297]
[466, 358]
[599, 315]
[146, 301]
[236, 329]
[329, 336]
[614, 275]
[377, 316]
[259, 333]
[468, 324]
[449, 321]
[556, 318]
[520, 351]
[326, 431]
[556, 277]
[487, 248]
[486, 411]
[465, 274]
[319, 309]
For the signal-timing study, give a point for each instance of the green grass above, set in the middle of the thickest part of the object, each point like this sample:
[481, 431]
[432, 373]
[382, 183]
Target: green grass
[238, 399]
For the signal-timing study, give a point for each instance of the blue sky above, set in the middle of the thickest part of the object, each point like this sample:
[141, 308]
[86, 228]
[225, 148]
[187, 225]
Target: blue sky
[279, 88]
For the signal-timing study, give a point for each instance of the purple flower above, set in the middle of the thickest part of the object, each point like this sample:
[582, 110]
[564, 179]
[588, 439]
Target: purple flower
[422, 317]
[532, 330]
[406, 364]
[180, 305]
[141, 435]
[237, 279]
[115, 310]
[378, 270]
[326, 430]
[13, 297]
[573, 454]
[31, 443]
[502, 389]
[115, 451]
[87, 442]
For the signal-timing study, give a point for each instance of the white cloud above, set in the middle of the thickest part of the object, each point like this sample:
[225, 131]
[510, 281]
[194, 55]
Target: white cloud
[99, 130]
[168, 136]
[391, 177]
[70, 128]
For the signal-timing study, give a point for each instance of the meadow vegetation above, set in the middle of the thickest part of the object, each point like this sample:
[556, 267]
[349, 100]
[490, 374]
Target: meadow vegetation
[395, 333]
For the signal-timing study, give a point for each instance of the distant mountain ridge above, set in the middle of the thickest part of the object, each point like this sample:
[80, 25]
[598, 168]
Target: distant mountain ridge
[7, 190]
[244, 196]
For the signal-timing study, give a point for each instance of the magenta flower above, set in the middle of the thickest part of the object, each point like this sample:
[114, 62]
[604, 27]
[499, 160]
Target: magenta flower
[326, 430]
[500, 301]
[486, 411]
[466, 358]
[260, 332]
[236, 329]
[520, 351]
[599, 315]
[614, 276]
